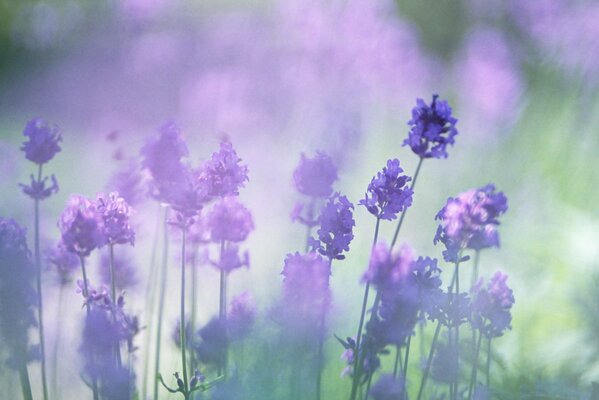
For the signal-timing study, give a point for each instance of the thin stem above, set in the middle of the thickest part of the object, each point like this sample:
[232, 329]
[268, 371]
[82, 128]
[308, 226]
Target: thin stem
[25, 383]
[182, 324]
[163, 279]
[457, 331]
[475, 268]
[150, 289]
[403, 214]
[117, 347]
[194, 299]
[320, 347]
[474, 366]
[38, 264]
[55, 387]
[429, 362]
[489, 365]
[87, 310]
[222, 312]
[398, 362]
[405, 362]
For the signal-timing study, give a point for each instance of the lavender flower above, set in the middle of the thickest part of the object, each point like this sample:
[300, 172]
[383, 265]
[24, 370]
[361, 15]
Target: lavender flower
[80, 226]
[491, 306]
[42, 141]
[115, 214]
[231, 259]
[388, 194]
[433, 128]
[336, 228]
[38, 190]
[229, 220]
[211, 344]
[128, 182]
[223, 174]
[445, 366]
[315, 176]
[385, 269]
[451, 309]
[241, 316]
[65, 262]
[387, 388]
[17, 296]
[470, 221]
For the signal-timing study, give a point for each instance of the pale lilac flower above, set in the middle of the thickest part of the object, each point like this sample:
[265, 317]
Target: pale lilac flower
[241, 316]
[491, 305]
[432, 129]
[315, 176]
[129, 183]
[387, 269]
[229, 220]
[115, 214]
[223, 174]
[387, 388]
[43, 139]
[336, 228]
[388, 193]
[80, 226]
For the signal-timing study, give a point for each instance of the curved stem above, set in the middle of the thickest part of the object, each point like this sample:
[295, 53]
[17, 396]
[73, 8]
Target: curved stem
[429, 362]
[403, 214]
[183, 324]
[40, 304]
[163, 279]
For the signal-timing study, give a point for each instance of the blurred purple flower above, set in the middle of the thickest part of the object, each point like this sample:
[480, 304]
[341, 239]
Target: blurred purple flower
[336, 228]
[388, 194]
[65, 262]
[115, 214]
[129, 183]
[212, 342]
[432, 129]
[176, 335]
[450, 309]
[43, 139]
[229, 220]
[491, 305]
[223, 174]
[125, 270]
[470, 221]
[315, 176]
[38, 189]
[241, 316]
[80, 226]
[304, 214]
[387, 388]
[445, 367]
[231, 258]
[385, 269]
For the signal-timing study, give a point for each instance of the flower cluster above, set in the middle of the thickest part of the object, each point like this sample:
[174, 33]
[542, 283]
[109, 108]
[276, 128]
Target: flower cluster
[491, 305]
[229, 220]
[387, 269]
[336, 228]
[388, 194]
[432, 129]
[315, 176]
[470, 220]
[42, 141]
[80, 227]
[39, 189]
[115, 214]
[223, 174]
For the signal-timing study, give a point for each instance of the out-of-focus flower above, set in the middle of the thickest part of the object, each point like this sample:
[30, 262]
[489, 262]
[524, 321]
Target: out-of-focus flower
[336, 228]
[388, 194]
[432, 129]
[387, 269]
[229, 220]
[125, 270]
[17, 296]
[387, 388]
[223, 174]
[128, 182]
[65, 262]
[42, 141]
[315, 176]
[241, 316]
[38, 189]
[451, 309]
[115, 214]
[176, 335]
[80, 226]
[491, 305]
[445, 367]
[304, 214]
[470, 221]
[211, 342]
[231, 258]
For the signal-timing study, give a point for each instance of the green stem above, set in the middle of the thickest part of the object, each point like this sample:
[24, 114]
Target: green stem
[475, 268]
[320, 359]
[457, 332]
[489, 365]
[194, 299]
[222, 312]
[87, 310]
[398, 362]
[117, 348]
[150, 303]
[429, 362]
[25, 383]
[38, 264]
[163, 279]
[474, 366]
[55, 391]
[403, 214]
[405, 362]
[182, 324]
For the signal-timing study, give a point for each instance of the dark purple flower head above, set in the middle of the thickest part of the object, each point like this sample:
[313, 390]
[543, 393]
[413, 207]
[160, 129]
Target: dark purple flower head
[231, 258]
[39, 189]
[385, 269]
[241, 316]
[387, 388]
[65, 262]
[115, 214]
[81, 226]
[42, 141]
[223, 174]
[17, 296]
[432, 129]
[491, 305]
[388, 193]
[336, 228]
[229, 220]
[470, 221]
[315, 176]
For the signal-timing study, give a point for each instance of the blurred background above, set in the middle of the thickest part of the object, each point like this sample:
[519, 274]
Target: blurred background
[282, 78]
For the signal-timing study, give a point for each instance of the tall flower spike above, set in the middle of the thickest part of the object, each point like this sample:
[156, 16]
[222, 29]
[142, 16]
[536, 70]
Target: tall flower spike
[470, 220]
[42, 141]
[223, 174]
[229, 220]
[315, 176]
[115, 214]
[80, 226]
[336, 228]
[388, 194]
[432, 129]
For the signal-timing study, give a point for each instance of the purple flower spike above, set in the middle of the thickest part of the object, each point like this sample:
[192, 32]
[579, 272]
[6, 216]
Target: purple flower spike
[387, 193]
[336, 228]
[231, 259]
[433, 128]
[115, 214]
[491, 305]
[80, 226]
[315, 176]
[223, 174]
[242, 313]
[229, 220]
[43, 139]
[387, 270]
[65, 262]
[470, 221]
[38, 189]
